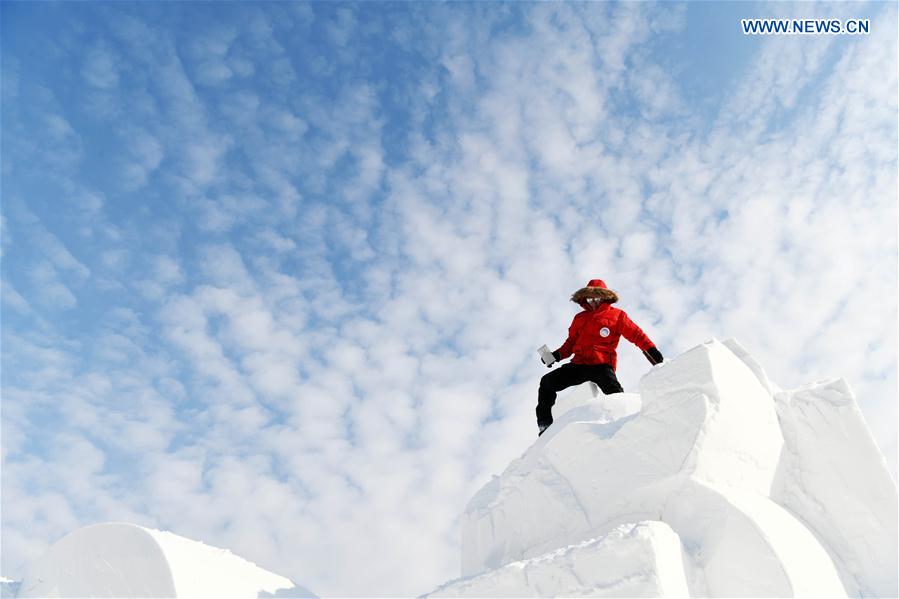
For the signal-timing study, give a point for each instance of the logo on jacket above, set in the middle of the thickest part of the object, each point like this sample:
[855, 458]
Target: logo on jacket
[604, 332]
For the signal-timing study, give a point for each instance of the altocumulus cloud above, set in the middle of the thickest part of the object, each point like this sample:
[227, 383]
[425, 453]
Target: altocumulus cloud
[273, 274]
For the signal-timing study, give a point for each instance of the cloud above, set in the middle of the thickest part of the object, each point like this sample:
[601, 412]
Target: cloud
[166, 276]
[147, 152]
[57, 253]
[341, 28]
[49, 289]
[100, 67]
[14, 299]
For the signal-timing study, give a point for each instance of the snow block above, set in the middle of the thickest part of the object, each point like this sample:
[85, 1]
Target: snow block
[833, 476]
[587, 472]
[641, 559]
[748, 546]
[612, 407]
[125, 560]
[738, 439]
[767, 498]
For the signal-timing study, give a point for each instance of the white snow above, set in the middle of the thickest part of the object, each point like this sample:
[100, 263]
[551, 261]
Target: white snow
[630, 560]
[833, 477]
[125, 560]
[760, 492]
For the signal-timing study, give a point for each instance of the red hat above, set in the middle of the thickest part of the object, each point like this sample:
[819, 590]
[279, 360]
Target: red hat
[596, 288]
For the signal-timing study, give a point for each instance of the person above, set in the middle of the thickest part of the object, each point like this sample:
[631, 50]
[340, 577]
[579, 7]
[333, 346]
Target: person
[592, 340]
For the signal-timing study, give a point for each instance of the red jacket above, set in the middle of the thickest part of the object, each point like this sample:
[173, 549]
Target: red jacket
[593, 336]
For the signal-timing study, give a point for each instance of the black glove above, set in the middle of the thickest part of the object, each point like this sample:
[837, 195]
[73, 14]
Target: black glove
[654, 356]
[557, 356]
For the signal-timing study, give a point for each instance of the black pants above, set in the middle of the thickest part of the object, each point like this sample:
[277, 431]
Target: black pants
[567, 376]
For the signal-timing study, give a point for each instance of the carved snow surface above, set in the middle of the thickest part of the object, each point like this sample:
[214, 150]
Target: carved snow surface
[833, 476]
[766, 492]
[642, 559]
[125, 560]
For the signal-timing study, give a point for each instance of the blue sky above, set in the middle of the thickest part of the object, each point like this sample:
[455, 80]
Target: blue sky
[273, 274]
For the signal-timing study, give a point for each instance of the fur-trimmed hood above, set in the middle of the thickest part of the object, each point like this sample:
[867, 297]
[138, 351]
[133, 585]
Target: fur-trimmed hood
[595, 288]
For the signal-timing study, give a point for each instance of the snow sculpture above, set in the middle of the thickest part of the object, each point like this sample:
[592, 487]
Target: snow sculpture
[641, 559]
[737, 488]
[125, 560]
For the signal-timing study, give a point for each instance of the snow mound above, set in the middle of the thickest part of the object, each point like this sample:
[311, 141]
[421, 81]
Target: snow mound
[712, 482]
[125, 560]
